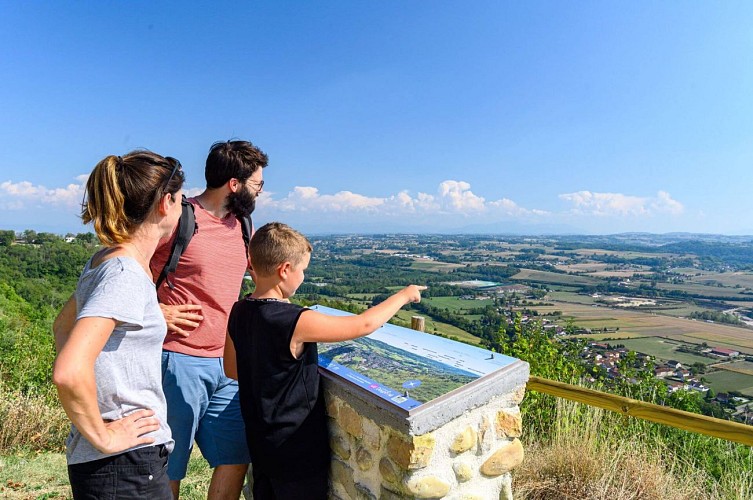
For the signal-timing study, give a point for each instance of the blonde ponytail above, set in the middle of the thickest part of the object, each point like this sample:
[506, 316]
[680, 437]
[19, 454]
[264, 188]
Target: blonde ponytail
[121, 192]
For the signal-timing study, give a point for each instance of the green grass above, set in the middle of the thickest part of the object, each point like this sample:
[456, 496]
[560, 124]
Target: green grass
[433, 326]
[556, 278]
[362, 296]
[34, 475]
[664, 349]
[745, 367]
[456, 304]
[723, 381]
[705, 290]
[45, 475]
[575, 298]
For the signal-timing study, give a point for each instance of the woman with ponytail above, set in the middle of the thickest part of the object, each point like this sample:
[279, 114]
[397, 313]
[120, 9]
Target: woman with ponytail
[109, 336]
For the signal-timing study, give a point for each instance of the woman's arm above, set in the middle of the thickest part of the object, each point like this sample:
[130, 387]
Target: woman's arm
[73, 374]
[313, 326]
[63, 324]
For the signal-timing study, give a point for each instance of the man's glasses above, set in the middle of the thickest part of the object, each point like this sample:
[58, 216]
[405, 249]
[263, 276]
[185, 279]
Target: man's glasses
[258, 185]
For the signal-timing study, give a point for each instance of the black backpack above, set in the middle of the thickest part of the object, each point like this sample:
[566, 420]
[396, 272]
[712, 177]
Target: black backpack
[187, 227]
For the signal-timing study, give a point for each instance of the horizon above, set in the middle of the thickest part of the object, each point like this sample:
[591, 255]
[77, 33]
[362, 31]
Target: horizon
[486, 118]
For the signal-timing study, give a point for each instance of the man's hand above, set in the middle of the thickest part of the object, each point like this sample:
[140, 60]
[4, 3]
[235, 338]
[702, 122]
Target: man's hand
[129, 431]
[182, 315]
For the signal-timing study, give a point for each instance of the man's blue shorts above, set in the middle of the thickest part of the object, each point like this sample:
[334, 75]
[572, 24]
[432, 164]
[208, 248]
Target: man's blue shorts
[202, 405]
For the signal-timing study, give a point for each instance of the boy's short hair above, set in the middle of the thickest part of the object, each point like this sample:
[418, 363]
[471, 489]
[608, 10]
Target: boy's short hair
[274, 244]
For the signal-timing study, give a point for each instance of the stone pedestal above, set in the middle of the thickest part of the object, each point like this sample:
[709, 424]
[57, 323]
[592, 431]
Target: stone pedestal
[462, 444]
[459, 448]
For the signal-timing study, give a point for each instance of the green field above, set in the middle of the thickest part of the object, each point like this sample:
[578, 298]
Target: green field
[433, 326]
[456, 304]
[731, 279]
[362, 296]
[664, 349]
[434, 266]
[556, 278]
[574, 298]
[745, 367]
[723, 381]
[705, 290]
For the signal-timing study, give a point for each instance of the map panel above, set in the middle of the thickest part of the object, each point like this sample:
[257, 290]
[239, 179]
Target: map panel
[405, 367]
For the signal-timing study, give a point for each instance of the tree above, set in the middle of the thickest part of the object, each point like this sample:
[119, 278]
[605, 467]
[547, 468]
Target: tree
[7, 238]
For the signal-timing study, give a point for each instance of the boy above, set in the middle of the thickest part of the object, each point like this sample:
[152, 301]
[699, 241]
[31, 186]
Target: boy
[271, 350]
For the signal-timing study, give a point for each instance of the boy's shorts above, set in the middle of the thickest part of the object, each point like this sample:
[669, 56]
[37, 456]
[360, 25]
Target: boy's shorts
[202, 405]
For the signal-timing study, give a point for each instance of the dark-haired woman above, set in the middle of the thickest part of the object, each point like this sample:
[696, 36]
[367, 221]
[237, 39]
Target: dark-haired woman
[109, 336]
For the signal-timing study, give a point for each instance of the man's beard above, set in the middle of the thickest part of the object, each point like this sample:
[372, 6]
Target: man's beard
[241, 203]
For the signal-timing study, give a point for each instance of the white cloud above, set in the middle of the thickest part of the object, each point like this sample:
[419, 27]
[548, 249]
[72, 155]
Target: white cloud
[664, 203]
[306, 198]
[20, 195]
[456, 196]
[618, 204]
[453, 197]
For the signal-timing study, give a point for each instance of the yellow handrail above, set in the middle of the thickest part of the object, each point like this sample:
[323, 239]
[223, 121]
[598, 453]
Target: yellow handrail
[700, 424]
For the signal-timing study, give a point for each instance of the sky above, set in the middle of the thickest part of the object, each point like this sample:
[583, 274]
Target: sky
[386, 117]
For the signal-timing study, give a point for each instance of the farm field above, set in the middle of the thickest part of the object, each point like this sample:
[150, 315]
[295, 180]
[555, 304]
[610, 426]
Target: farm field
[745, 367]
[706, 290]
[576, 298]
[584, 267]
[655, 325]
[433, 326]
[456, 303]
[624, 254]
[557, 278]
[665, 350]
[609, 336]
[723, 381]
[434, 266]
[742, 278]
[365, 297]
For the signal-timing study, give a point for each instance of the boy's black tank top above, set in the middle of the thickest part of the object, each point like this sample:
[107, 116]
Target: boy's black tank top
[281, 397]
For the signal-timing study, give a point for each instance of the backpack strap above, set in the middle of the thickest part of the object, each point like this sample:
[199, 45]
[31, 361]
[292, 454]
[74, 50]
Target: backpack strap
[247, 227]
[187, 227]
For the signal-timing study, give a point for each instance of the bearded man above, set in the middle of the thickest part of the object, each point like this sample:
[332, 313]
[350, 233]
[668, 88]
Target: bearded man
[202, 403]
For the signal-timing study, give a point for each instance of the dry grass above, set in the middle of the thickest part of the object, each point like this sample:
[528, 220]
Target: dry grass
[31, 423]
[583, 461]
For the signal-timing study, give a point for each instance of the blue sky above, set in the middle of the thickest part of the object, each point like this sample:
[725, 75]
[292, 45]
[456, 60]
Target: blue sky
[524, 117]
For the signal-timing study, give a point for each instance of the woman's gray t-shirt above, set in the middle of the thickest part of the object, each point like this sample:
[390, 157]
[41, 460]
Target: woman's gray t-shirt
[128, 371]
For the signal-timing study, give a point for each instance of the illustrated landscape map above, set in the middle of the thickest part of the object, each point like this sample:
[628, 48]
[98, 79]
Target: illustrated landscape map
[405, 367]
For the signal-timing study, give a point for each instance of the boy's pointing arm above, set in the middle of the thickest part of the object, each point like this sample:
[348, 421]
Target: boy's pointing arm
[314, 326]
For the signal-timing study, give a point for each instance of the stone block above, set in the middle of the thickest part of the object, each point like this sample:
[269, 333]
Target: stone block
[509, 424]
[372, 434]
[411, 454]
[504, 459]
[390, 473]
[428, 487]
[463, 471]
[350, 421]
[463, 441]
[363, 493]
[518, 395]
[364, 459]
[340, 445]
[485, 436]
[333, 405]
[386, 494]
[506, 491]
[342, 474]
